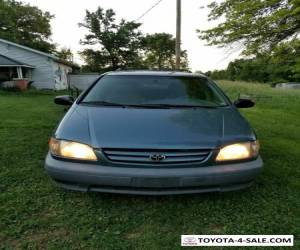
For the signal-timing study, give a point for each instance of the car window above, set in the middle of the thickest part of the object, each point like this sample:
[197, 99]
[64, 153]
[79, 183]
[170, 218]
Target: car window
[143, 90]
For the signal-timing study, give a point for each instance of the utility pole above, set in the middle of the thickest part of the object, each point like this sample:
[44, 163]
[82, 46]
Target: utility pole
[178, 34]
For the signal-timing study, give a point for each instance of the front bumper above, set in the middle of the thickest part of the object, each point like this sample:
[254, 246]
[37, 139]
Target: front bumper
[152, 180]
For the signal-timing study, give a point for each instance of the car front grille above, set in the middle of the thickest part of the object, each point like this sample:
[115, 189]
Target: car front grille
[149, 156]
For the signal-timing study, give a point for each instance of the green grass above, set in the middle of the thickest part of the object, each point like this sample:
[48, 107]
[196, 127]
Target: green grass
[36, 214]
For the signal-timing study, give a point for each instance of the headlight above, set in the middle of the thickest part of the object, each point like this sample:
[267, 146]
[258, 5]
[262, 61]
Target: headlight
[71, 150]
[238, 151]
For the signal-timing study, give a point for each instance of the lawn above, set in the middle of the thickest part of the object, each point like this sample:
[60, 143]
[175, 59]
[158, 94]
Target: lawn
[36, 214]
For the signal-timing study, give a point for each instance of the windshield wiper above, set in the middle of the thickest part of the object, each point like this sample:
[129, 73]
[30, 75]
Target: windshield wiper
[150, 105]
[104, 103]
[172, 106]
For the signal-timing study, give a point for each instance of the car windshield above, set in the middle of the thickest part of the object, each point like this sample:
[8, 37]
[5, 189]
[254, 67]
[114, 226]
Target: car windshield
[154, 91]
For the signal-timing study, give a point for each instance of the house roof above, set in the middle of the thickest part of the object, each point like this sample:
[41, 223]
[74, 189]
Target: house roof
[29, 49]
[9, 62]
[67, 63]
[55, 58]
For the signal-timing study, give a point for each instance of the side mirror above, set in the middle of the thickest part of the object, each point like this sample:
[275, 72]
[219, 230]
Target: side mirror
[244, 103]
[64, 100]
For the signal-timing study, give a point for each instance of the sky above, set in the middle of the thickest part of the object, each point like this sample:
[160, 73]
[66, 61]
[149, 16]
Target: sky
[162, 18]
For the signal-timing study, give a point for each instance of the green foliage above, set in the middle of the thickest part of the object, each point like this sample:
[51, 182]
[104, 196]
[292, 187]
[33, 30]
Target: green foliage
[65, 54]
[283, 64]
[159, 52]
[256, 25]
[286, 60]
[217, 74]
[26, 25]
[118, 44]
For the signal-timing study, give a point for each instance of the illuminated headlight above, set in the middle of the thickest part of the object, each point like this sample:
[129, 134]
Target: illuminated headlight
[71, 150]
[239, 151]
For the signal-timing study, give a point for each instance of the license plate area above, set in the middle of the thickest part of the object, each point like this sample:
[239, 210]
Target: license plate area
[156, 182]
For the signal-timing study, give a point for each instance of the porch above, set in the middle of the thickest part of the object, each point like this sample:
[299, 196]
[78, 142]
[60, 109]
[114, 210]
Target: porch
[14, 74]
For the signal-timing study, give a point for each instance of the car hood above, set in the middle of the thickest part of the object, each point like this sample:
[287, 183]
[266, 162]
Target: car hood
[117, 127]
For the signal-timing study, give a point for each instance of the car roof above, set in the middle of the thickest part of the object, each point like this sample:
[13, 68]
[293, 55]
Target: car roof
[154, 73]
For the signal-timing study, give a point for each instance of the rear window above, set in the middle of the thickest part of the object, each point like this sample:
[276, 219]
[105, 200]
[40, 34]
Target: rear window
[143, 90]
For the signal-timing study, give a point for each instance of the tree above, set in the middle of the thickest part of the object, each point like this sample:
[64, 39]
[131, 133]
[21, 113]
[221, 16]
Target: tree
[118, 43]
[65, 54]
[217, 74]
[159, 52]
[255, 25]
[286, 61]
[26, 25]
[283, 64]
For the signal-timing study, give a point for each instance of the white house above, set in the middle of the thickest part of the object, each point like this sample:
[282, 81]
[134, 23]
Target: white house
[45, 71]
